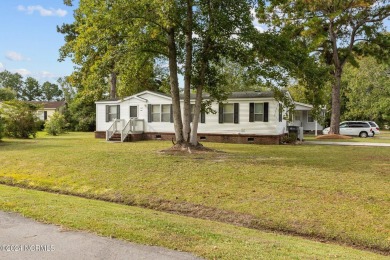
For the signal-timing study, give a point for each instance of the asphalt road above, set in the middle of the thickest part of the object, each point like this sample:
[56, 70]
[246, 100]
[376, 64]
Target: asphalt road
[22, 238]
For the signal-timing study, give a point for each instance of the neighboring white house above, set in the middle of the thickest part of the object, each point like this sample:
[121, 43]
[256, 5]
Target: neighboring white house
[245, 117]
[303, 118]
[48, 108]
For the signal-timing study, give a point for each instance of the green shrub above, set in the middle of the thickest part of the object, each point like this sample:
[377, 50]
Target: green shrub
[7, 94]
[1, 128]
[56, 124]
[19, 119]
[291, 138]
[40, 125]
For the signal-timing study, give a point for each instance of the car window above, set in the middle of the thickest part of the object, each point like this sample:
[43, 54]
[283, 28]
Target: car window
[358, 124]
[373, 124]
[344, 125]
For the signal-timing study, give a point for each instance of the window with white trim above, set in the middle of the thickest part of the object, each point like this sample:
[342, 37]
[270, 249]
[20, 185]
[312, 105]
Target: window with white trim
[165, 113]
[228, 113]
[112, 113]
[156, 115]
[160, 113]
[259, 112]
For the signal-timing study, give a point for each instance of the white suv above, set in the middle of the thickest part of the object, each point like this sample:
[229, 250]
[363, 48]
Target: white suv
[354, 128]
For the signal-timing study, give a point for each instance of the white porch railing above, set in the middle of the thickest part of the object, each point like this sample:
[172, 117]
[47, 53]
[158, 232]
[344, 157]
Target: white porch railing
[137, 125]
[119, 125]
[132, 126]
[116, 125]
[125, 131]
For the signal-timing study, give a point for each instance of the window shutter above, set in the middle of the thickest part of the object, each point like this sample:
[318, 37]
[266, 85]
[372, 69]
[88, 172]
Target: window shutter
[220, 111]
[251, 112]
[149, 113]
[236, 113]
[118, 112]
[107, 113]
[45, 115]
[171, 115]
[265, 111]
[280, 112]
[202, 117]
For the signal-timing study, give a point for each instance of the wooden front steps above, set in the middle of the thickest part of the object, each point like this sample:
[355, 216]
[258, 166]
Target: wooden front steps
[115, 137]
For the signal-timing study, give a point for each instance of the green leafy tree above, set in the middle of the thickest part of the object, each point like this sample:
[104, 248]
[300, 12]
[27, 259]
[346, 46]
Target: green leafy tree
[7, 94]
[19, 119]
[192, 38]
[68, 91]
[155, 33]
[224, 32]
[31, 89]
[51, 92]
[1, 127]
[56, 125]
[81, 112]
[13, 81]
[97, 42]
[367, 91]
[334, 31]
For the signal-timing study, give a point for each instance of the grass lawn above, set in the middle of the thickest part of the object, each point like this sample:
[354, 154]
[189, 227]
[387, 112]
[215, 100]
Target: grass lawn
[205, 238]
[339, 194]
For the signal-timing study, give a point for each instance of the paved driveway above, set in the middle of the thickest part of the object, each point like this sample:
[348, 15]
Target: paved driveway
[22, 238]
[348, 143]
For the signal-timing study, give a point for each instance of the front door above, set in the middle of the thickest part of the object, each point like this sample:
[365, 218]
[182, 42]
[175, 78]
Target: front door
[133, 111]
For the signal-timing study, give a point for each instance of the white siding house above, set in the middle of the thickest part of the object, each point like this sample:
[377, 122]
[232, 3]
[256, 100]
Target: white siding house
[303, 118]
[254, 117]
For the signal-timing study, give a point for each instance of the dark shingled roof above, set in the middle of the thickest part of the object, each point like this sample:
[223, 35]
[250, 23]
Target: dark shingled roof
[49, 104]
[244, 94]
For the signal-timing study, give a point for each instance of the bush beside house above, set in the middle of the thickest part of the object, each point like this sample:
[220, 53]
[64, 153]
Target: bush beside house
[56, 124]
[1, 128]
[19, 119]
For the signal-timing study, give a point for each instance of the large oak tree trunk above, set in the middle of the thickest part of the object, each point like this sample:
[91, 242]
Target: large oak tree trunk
[174, 82]
[336, 104]
[195, 120]
[202, 78]
[188, 74]
[337, 63]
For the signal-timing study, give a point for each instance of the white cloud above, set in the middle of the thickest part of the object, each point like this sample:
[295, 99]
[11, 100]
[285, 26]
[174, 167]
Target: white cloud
[260, 27]
[14, 56]
[2, 67]
[46, 75]
[22, 72]
[42, 11]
